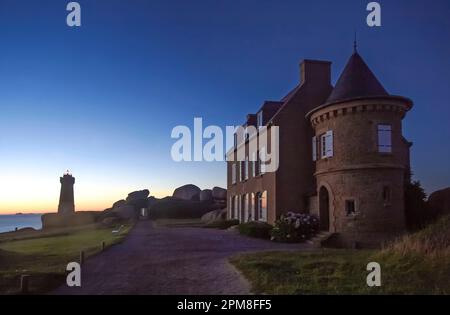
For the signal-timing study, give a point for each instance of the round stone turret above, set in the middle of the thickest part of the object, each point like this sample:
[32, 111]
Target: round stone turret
[362, 159]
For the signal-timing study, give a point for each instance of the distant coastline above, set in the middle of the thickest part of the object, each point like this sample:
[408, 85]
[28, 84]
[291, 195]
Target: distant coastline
[11, 222]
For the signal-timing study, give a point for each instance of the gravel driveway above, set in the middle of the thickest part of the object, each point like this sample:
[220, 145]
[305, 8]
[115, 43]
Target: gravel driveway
[162, 260]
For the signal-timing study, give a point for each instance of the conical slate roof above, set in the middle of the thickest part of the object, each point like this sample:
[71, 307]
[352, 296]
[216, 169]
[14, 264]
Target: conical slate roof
[356, 81]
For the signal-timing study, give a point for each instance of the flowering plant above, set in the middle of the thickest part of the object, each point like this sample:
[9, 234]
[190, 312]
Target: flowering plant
[295, 227]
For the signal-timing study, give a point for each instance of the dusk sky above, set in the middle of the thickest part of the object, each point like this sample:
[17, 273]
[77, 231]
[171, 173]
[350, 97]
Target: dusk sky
[101, 100]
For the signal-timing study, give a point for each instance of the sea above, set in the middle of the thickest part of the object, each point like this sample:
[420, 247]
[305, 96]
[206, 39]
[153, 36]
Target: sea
[9, 223]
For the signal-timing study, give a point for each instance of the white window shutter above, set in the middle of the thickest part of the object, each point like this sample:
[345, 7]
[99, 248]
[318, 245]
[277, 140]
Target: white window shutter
[263, 161]
[385, 138]
[246, 168]
[329, 144]
[314, 148]
[233, 173]
[238, 171]
[241, 171]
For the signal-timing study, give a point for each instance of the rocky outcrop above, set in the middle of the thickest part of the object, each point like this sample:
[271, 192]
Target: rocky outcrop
[138, 204]
[175, 208]
[138, 195]
[187, 192]
[215, 215]
[151, 201]
[206, 195]
[119, 203]
[439, 202]
[188, 201]
[137, 199]
[219, 193]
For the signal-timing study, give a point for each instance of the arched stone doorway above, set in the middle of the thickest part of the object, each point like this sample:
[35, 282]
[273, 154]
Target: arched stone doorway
[324, 209]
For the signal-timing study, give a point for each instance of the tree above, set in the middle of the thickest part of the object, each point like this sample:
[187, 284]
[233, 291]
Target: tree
[416, 211]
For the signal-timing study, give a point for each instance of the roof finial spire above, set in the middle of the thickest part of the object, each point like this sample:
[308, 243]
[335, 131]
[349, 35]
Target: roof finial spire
[355, 45]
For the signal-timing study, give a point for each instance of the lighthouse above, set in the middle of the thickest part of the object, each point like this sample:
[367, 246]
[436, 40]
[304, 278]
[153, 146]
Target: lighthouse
[66, 198]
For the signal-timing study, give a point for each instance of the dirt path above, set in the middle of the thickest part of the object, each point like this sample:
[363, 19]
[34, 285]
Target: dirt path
[161, 260]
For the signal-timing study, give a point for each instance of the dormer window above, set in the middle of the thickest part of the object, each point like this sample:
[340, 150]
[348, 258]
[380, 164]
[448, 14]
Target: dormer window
[246, 135]
[259, 119]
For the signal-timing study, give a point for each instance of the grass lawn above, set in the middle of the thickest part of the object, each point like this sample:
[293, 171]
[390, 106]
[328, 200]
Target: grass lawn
[342, 272]
[45, 257]
[417, 264]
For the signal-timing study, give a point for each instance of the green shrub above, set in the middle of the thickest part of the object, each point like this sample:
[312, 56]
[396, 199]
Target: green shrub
[295, 227]
[222, 224]
[255, 229]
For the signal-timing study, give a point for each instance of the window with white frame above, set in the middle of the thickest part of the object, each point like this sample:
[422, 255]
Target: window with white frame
[261, 205]
[262, 161]
[246, 168]
[251, 216]
[253, 163]
[257, 165]
[246, 207]
[237, 206]
[253, 168]
[326, 145]
[243, 208]
[384, 138]
[233, 173]
[239, 171]
[258, 204]
[323, 149]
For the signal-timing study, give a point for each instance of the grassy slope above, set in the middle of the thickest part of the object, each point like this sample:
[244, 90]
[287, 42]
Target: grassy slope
[417, 264]
[45, 258]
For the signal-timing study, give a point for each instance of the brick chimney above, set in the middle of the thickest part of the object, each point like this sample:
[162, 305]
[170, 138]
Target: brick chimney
[316, 71]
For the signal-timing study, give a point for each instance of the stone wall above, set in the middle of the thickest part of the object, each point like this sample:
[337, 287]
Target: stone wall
[313, 205]
[374, 220]
[55, 220]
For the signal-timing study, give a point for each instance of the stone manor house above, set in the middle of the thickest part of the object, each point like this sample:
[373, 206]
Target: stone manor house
[342, 156]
